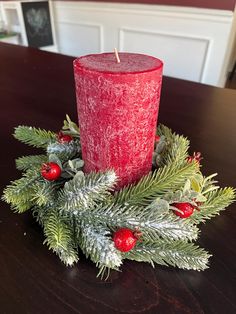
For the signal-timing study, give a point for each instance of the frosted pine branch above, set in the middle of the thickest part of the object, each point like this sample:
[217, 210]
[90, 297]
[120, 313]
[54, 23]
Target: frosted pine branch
[152, 224]
[96, 243]
[45, 193]
[64, 151]
[181, 254]
[83, 192]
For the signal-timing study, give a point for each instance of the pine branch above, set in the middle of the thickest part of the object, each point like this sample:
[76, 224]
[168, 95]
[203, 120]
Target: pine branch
[176, 253]
[34, 137]
[27, 162]
[168, 178]
[176, 148]
[40, 213]
[217, 200]
[208, 184]
[45, 193]
[20, 192]
[60, 238]
[96, 243]
[64, 151]
[83, 192]
[153, 225]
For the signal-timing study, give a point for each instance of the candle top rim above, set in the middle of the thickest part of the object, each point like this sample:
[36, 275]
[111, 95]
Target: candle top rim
[129, 63]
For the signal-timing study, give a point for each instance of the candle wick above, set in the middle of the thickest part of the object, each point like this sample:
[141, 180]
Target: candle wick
[117, 56]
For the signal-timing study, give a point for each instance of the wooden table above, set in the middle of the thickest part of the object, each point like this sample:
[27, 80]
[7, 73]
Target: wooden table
[37, 88]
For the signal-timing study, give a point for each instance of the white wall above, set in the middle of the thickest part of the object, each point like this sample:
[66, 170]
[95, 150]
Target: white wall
[0, 17]
[195, 44]
[192, 42]
[232, 46]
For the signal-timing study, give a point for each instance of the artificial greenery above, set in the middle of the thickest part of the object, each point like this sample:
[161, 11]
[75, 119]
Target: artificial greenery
[84, 210]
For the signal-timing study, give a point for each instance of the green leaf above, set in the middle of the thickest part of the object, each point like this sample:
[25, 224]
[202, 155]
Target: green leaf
[70, 127]
[54, 158]
[195, 185]
[71, 167]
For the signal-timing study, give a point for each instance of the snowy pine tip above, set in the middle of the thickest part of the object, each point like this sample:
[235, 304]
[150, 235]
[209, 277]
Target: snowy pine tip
[111, 177]
[70, 260]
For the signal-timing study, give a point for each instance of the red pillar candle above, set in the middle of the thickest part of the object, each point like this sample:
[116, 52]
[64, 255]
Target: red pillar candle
[118, 107]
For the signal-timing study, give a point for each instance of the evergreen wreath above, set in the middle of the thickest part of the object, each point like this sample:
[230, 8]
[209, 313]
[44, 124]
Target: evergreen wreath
[154, 221]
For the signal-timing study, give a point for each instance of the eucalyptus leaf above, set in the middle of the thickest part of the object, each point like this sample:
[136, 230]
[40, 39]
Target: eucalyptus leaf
[160, 205]
[161, 145]
[200, 198]
[195, 185]
[187, 186]
[70, 127]
[56, 159]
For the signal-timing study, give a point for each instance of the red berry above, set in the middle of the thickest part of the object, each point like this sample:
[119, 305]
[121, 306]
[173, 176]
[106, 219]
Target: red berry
[157, 138]
[50, 171]
[185, 208]
[64, 138]
[196, 156]
[124, 239]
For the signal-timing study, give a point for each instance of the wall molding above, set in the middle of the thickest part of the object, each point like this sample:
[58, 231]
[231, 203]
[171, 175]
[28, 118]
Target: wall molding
[201, 59]
[206, 40]
[89, 24]
[221, 16]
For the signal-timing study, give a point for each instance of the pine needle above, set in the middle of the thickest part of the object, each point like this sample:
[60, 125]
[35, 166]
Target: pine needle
[176, 149]
[83, 192]
[217, 200]
[59, 238]
[34, 137]
[64, 151]
[181, 254]
[28, 162]
[152, 224]
[96, 243]
[156, 184]
[20, 192]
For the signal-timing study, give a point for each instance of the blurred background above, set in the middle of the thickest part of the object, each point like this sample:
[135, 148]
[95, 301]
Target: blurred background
[194, 38]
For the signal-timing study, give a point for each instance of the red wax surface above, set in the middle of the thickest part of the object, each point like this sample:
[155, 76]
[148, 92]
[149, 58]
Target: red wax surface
[118, 107]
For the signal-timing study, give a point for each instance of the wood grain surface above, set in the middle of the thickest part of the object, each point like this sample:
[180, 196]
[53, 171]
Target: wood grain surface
[37, 88]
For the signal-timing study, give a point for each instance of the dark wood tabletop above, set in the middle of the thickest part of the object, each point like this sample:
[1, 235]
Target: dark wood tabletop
[37, 88]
